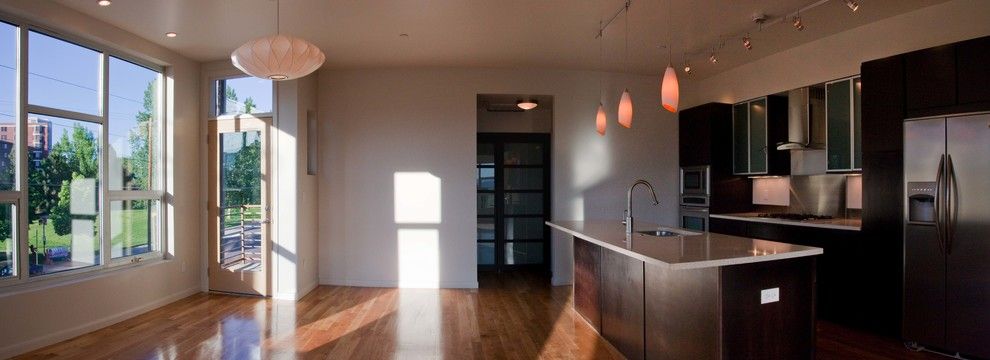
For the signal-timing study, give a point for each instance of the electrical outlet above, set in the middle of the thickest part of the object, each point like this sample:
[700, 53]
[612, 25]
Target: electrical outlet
[769, 295]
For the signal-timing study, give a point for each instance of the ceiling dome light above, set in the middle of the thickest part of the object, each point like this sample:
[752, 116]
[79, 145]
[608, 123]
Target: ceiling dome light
[104, 2]
[626, 109]
[853, 5]
[527, 104]
[669, 92]
[278, 57]
[171, 34]
[600, 120]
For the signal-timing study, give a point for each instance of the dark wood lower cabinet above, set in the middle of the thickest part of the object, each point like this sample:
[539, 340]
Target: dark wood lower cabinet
[649, 311]
[682, 313]
[587, 282]
[622, 305]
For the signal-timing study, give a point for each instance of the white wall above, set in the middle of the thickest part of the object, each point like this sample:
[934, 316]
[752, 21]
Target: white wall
[39, 316]
[379, 122]
[841, 54]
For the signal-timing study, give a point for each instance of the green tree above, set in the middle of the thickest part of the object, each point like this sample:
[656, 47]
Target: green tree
[249, 105]
[242, 180]
[74, 156]
[231, 93]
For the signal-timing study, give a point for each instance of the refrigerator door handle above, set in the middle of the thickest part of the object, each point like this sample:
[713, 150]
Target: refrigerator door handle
[950, 214]
[938, 205]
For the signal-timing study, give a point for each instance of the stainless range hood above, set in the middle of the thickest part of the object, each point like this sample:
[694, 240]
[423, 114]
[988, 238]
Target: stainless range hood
[805, 119]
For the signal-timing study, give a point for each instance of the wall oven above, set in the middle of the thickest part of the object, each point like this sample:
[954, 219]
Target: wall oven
[694, 180]
[694, 218]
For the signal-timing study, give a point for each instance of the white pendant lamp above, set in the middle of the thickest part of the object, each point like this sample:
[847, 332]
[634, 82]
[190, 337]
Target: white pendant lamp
[601, 120]
[669, 92]
[278, 57]
[625, 110]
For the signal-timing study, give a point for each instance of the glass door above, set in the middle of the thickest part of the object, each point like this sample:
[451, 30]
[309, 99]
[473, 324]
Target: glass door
[239, 244]
[513, 185]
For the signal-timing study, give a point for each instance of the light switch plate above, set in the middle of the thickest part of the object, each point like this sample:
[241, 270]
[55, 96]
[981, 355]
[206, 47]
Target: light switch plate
[769, 295]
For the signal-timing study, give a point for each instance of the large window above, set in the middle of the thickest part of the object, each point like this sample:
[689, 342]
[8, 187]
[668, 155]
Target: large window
[81, 150]
[246, 95]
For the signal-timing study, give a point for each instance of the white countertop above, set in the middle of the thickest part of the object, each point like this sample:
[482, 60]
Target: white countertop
[681, 252]
[838, 224]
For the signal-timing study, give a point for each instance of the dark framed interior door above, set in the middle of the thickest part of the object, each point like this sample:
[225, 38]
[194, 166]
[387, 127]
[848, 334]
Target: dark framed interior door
[513, 185]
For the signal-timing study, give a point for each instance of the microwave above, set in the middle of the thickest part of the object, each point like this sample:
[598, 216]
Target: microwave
[695, 180]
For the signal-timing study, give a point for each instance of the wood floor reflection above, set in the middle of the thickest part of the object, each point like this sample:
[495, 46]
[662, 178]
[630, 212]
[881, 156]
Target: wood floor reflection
[512, 316]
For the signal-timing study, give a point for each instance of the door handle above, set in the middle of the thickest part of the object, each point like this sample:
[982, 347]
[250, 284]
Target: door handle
[938, 205]
[950, 203]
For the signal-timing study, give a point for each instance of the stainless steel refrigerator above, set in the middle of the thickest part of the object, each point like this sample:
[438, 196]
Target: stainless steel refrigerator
[947, 234]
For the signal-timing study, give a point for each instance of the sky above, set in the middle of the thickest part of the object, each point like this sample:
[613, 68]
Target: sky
[66, 76]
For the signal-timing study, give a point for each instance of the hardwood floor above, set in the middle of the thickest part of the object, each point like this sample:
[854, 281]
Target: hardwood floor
[512, 316]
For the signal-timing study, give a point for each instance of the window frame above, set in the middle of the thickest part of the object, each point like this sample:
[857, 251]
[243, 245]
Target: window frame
[22, 278]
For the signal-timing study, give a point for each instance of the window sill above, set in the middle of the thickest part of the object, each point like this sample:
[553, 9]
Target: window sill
[68, 279]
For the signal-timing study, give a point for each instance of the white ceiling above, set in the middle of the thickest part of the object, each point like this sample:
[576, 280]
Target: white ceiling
[492, 33]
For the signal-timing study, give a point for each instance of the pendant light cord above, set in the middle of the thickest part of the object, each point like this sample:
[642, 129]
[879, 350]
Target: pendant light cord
[278, 8]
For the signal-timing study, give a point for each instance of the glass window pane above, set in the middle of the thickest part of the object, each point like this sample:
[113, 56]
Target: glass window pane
[523, 179]
[486, 154]
[524, 228]
[486, 178]
[517, 253]
[486, 228]
[8, 267]
[246, 95]
[486, 254]
[523, 154]
[134, 122]
[523, 204]
[486, 204]
[133, 227]
[63, 195]
[63, 75]
[8, 125]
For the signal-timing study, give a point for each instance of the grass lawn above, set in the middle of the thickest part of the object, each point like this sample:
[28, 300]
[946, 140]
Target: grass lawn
[133, 230]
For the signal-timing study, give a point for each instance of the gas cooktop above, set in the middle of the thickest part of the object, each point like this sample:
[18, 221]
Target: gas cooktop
[795, 217]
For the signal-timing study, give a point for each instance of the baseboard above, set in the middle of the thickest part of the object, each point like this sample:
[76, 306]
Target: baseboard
[34, 344]
[295, 296]
[560, 281]
[394, 284]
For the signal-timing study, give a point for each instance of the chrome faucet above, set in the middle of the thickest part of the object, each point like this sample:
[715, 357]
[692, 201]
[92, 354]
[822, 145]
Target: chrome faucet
[628, 215]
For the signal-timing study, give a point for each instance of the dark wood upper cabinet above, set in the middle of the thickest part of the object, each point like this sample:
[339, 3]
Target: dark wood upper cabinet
[973, 69]
[930, 78]
[883, 105]
[695, 135]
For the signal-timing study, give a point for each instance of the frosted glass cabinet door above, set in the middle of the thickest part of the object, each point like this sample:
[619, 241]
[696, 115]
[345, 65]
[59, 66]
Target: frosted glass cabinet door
[758, 136]
[740, 138]
[837, 99]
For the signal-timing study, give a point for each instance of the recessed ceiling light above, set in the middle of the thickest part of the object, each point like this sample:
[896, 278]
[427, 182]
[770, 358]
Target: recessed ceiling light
[171, 34]
[104, 2]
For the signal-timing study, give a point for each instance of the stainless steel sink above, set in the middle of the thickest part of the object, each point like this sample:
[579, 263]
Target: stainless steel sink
[661, 233]
[666, 233]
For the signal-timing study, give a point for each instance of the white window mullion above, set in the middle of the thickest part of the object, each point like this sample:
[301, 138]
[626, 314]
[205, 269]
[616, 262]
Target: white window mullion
[21, 234]
[105, 255]
[65, 114]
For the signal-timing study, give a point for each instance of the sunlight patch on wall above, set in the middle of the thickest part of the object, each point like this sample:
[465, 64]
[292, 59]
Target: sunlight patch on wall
[417, 198]
[419, 258]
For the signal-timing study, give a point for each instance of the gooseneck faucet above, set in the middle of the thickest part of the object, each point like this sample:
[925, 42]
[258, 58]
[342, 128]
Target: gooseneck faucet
[628, 215]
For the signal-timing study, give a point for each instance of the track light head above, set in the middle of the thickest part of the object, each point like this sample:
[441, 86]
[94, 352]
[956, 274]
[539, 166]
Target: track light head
[687, 68]
[797, 23]
[852, 4]
[713, 58]
[747, 43]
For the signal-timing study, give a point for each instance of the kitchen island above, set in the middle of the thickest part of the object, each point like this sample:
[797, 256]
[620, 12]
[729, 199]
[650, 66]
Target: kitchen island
[693, 295]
